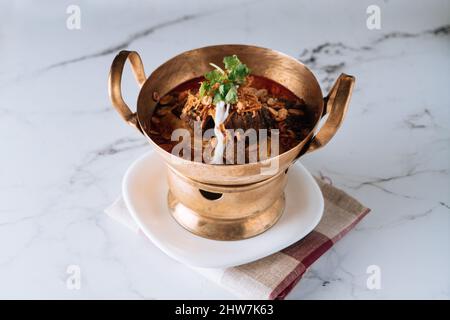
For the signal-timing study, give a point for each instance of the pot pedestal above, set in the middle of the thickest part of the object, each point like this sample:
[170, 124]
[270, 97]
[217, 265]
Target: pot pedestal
[226, 212]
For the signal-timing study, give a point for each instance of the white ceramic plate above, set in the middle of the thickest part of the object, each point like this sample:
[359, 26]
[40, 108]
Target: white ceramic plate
[145, 194]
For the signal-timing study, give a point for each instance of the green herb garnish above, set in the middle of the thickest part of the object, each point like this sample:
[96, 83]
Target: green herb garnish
[222, 84]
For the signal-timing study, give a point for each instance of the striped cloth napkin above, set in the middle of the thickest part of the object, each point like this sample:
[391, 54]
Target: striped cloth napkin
[274, 276]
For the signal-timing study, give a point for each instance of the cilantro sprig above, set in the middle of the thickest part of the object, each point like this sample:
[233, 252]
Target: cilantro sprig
[222, 84]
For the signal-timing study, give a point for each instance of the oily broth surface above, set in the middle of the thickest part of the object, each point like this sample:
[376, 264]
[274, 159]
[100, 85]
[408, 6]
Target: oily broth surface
[168, 116]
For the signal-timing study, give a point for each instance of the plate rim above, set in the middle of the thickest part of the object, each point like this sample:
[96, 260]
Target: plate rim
[180, 258]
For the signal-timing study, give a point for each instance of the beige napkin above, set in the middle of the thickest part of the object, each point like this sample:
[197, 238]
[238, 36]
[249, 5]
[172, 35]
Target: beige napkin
[274, 276]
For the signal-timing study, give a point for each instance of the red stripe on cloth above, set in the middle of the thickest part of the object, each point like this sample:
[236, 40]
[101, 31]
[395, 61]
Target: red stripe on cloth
[309, 248]
[288, 283]
[337, 237]
[289, 288]
[321, 249]
[307, 251]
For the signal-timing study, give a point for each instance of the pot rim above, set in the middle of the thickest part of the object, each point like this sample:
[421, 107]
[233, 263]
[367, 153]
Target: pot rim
[242, 165]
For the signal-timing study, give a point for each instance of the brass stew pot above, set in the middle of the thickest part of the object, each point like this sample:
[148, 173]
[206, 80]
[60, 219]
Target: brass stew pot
[268, 63]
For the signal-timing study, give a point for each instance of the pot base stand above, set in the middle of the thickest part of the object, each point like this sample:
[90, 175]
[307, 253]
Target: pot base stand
[225, 229]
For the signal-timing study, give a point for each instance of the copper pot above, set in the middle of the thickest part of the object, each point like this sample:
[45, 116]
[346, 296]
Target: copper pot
[221, 219]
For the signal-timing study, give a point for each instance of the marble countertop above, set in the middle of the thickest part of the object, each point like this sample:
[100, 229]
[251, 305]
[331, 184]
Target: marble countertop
[65, 150]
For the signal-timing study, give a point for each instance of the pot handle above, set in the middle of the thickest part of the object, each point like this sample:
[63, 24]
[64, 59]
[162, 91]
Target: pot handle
[336, 105]
[115, 80]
